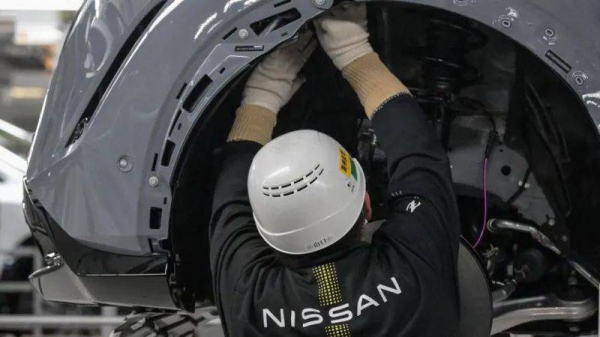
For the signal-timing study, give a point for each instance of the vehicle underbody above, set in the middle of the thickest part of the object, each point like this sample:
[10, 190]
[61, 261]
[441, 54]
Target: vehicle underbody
[521, 138]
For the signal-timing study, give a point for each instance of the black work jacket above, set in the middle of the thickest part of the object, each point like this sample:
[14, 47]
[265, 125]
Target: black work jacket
[402, 284]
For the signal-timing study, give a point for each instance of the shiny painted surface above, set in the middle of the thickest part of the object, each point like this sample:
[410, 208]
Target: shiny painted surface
[89, 276]
[58, 283]
[81, 186]
[91, 45]
[82, 259]
[105, 208]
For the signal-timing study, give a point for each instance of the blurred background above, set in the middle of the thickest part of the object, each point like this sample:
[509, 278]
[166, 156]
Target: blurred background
[31, 36]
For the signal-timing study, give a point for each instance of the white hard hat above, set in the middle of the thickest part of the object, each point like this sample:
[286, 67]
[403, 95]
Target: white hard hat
[306, 192]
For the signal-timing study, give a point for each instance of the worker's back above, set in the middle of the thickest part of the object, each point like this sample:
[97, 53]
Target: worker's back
[401, 284]
[367, 290]
[290, 264]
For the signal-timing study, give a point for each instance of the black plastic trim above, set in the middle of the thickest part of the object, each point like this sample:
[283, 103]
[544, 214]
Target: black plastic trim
[197, 92]
[84, 260]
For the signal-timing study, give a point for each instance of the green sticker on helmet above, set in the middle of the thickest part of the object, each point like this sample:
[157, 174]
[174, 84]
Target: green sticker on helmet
[354, 173]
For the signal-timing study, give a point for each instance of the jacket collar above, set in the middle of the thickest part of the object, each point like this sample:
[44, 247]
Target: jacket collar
[327, 255]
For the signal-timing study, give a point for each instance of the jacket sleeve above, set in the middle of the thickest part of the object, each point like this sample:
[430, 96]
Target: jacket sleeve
[235, 243]
[423, 212]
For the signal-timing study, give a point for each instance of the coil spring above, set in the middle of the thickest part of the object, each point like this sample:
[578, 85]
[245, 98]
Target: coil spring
[445, 69]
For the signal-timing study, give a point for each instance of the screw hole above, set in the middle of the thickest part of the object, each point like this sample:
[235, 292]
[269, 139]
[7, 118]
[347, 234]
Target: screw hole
[506, 170]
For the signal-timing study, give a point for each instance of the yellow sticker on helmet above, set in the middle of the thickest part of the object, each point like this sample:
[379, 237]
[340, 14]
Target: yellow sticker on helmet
[345, 163]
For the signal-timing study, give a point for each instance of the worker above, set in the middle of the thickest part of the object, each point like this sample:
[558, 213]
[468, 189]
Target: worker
[288, 214]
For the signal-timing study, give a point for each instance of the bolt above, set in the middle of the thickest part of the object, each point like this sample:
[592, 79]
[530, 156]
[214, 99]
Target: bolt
[243, 34]
[574, 328]
[506, 23]
[125, 164]
[564, 238]
[324, 4]
[153, 181]
[551, 222]
[549, 32]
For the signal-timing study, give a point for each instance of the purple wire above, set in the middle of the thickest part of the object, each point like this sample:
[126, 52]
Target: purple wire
[485, 204]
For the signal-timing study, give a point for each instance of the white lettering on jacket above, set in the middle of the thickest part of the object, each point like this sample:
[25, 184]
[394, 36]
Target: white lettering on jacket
[339, 314]
[360, 306]
[310, 317]
[280, 322]
[396, 290]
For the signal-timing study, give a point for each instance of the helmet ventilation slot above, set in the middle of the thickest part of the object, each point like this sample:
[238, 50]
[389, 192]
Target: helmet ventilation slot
[295, 186]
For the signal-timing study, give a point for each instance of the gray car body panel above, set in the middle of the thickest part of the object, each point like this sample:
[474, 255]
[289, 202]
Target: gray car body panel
[81, 185]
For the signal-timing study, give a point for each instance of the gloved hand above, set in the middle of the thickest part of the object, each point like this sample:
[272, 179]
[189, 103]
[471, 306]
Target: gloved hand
[343, 33]
[275, 80]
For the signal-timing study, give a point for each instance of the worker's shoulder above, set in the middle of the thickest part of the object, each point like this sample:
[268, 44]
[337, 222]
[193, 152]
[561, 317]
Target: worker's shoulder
[367, 261]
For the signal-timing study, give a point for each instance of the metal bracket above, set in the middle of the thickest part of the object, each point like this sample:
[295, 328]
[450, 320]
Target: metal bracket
[509, 314]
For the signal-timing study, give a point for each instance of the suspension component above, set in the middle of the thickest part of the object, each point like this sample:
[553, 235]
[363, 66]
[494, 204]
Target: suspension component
[445, 71]
[494, 225]
[448, 43]
[530, 266]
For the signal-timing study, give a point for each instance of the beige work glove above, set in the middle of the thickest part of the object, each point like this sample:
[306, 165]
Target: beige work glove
[275, 80]
[343, 33]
